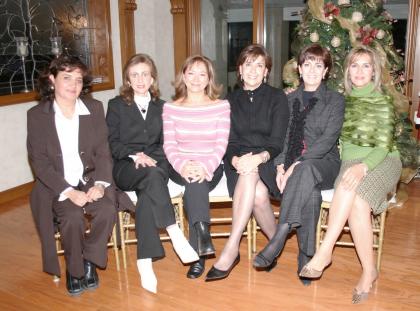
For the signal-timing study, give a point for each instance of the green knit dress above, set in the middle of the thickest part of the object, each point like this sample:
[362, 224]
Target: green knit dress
[367, 137]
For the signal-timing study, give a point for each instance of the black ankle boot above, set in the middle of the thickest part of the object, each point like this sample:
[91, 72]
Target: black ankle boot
[196, 269]
[75, 286]
[266, 257]
[91, 276]
[303, 259]
[205, 246]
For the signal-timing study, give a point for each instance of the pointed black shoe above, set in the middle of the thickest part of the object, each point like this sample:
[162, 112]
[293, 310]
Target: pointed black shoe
[196, 269]
[74, 285]
[215, 274]
[268, 255]
[205, 245]
[91, 276]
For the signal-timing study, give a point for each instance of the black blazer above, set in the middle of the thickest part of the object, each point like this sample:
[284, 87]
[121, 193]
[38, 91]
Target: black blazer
[129, 133]
[322, 126]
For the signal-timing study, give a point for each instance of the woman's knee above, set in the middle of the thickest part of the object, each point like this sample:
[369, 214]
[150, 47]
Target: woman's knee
[262, 196]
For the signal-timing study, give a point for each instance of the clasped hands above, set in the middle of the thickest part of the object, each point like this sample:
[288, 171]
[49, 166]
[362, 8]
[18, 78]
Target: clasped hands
[247, 163]
[81, 198]
[193, 171]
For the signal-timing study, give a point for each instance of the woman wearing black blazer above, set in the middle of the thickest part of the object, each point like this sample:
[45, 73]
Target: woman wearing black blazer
[310, 160]
[135, 135]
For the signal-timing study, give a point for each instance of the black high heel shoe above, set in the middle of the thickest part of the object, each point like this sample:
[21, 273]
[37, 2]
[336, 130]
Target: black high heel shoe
[266, 257]
[215, 274]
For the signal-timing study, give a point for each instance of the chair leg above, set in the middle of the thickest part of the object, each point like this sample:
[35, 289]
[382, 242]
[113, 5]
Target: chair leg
[122, 235]
[322, 216]
[249, 238]
[115, 247]
[254, 235]
[380, 240]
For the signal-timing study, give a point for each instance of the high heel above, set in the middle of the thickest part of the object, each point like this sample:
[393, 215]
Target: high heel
[311, 273]
[215, 274]
[205, 245]
[357, 297]
[266, 257]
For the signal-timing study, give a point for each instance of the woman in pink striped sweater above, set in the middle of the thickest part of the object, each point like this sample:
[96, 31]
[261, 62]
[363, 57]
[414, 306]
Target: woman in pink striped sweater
[196, 130]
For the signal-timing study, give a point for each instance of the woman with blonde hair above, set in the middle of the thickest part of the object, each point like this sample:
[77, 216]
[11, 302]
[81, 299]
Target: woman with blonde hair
[195, 130]
[370, 169]
[135, 136]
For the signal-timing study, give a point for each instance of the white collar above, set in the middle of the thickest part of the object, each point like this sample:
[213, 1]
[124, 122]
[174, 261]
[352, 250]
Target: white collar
[79, 110]
[143, 101]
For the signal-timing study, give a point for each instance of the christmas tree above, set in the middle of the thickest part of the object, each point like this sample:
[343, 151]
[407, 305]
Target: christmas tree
[340, 25]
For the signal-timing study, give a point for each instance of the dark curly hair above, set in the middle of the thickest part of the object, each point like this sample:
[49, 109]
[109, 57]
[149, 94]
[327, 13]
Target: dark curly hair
[62, 63]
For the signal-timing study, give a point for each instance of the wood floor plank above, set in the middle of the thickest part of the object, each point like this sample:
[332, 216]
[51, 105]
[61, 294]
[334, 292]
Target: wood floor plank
[23, 286]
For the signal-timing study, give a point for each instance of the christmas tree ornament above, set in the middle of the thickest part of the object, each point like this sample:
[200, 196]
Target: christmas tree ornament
[335, 42]
[357, 17]
[380, 34]
[344, 3]
[314, 37]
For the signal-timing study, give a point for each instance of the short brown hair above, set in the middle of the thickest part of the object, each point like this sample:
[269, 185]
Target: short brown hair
[212, 90]
[316, 52]
[62, 63]
[126, 90]
[375, 62]
[252, 52]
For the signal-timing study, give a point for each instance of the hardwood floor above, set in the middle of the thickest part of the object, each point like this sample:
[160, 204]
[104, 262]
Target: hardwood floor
[23, 286]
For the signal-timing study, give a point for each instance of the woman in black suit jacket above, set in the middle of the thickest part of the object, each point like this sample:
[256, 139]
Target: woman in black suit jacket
[135, 135]
[310, 160]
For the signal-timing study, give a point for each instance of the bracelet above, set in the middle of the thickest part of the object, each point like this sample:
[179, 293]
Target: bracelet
[265, 156]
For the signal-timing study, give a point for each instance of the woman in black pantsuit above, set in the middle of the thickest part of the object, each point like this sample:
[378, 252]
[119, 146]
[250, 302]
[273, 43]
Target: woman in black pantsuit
[310, 160]
[259, 118]
[135, 135]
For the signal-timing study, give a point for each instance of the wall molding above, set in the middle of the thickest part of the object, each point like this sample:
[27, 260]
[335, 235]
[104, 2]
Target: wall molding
[16, 192]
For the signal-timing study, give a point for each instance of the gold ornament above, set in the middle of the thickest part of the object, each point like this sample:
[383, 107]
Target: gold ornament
[335, 42]
[314, 37]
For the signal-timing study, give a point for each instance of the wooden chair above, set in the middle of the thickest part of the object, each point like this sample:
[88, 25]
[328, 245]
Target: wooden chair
[112, 243]
[127, 225]
[378, 226]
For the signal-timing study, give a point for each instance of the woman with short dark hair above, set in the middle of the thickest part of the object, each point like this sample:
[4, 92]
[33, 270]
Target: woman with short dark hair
[259, 118]
[310, 160]
[68, 150]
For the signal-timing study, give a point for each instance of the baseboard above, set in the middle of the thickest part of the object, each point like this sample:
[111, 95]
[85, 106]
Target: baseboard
[16, 192]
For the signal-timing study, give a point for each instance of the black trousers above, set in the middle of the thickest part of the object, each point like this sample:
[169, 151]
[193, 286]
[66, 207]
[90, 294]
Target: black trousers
[196, 200]
[301, 200]
[154, 210]
[72, 225]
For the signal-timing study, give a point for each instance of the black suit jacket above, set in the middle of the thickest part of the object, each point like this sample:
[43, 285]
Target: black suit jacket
[129, 133]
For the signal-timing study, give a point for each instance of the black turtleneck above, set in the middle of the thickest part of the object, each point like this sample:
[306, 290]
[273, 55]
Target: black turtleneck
[259, 120]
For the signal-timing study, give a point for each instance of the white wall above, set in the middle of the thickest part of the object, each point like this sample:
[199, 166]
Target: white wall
[14, 167]
[154, 36]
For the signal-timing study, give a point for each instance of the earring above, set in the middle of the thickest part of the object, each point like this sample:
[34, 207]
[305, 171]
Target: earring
[300, 75]
[52, 87]
[242, 79]
[265, 79]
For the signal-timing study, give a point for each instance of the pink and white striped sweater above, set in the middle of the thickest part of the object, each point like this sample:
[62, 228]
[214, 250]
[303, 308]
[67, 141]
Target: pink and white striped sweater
[196, 133]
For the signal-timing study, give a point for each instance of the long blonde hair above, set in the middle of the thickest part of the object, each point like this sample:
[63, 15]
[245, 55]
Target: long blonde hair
[375, 62]
[212, 89]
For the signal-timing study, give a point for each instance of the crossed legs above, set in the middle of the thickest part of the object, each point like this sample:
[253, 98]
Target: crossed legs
[250, 196]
